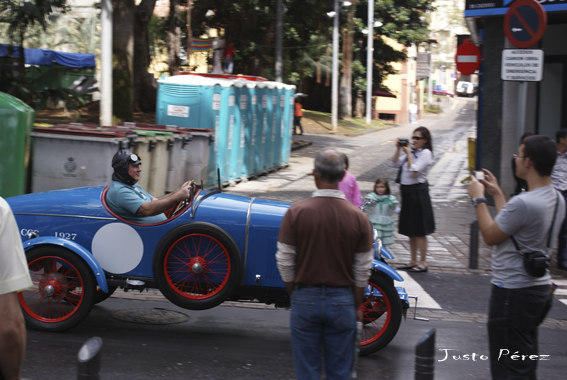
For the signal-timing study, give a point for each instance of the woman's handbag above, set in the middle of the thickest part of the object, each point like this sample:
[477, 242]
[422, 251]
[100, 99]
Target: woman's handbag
[536, 263]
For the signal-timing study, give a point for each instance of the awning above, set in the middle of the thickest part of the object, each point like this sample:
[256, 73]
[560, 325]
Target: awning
[44, 57]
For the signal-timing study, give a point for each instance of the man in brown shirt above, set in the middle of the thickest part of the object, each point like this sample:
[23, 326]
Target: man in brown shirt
[324, 257]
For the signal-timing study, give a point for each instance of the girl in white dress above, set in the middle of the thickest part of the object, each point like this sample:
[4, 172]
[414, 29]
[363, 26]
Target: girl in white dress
[380, 210]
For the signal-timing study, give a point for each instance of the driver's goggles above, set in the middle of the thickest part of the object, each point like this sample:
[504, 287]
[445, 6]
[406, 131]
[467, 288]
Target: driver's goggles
[134, 159]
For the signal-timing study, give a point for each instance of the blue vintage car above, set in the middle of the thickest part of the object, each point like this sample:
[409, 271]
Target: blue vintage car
[212, 248]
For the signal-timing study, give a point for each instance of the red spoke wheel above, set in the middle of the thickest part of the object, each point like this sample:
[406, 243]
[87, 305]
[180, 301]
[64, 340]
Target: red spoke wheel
[381, 314]
[197, 265]
[63, 291]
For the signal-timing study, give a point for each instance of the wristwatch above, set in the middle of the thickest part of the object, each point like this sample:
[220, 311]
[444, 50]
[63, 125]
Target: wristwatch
[477, 201]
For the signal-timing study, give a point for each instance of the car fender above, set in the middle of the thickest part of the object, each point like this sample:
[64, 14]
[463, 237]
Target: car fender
[78, 249]
[386, 269]
[385, 253]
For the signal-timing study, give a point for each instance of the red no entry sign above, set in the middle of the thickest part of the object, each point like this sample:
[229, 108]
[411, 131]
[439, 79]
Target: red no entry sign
[525, 23]
[467, 58]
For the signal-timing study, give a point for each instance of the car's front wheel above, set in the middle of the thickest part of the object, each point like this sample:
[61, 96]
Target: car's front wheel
[197, 265]
[63, 291]
[382, 314]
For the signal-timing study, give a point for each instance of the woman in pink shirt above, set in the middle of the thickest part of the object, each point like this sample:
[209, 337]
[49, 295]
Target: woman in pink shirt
[349, 186]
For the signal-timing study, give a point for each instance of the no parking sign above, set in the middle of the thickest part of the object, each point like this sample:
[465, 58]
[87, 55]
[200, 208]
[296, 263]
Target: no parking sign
[525, 23]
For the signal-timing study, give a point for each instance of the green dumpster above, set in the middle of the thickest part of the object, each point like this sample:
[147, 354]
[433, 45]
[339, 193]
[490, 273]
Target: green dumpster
[16, 121]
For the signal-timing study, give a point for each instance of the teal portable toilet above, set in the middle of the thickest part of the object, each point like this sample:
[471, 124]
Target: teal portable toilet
[238, 99]
[249, 121]
[185, 101]
[279, 124]
[287, 121]
[269, 127]
[243, 101]
[261, 120]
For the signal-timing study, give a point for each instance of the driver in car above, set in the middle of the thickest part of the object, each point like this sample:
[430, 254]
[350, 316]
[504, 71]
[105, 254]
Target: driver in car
[129, 201]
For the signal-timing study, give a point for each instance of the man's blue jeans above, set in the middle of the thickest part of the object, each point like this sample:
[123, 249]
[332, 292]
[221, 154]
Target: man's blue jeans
[323, 320]
[513, 318]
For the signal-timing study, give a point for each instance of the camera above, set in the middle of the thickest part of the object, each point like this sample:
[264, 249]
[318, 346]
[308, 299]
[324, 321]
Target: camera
[403, 142]
[479, 174]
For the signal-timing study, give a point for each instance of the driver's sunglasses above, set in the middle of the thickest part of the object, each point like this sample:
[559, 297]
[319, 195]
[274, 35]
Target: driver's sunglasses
[417, 138]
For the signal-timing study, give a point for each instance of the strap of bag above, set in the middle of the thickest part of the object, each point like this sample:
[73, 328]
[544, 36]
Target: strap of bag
[550, 230]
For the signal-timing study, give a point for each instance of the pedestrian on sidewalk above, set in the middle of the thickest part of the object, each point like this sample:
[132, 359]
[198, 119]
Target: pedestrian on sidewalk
[527, 223]
[349, 186]
[416, 217]
[324, 258]
[229, 58]
[297, 115]
[559, 181]
[380, 210]
[413, 112]
[14, 277]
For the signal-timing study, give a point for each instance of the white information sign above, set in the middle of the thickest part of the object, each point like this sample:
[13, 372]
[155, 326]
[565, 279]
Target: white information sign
[522, 65]
[216, 102]
[179, 111]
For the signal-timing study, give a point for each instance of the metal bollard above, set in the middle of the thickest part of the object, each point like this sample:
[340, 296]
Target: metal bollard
[89, 360]
[425, 357]
[473, 248]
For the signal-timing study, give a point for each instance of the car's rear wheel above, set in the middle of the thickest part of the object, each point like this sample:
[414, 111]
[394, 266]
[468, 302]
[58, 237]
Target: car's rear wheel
[382, 314]
[197, 265]
[63, 291]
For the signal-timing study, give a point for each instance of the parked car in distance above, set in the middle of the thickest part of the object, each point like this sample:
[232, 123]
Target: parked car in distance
[440, 90]
[465, 89]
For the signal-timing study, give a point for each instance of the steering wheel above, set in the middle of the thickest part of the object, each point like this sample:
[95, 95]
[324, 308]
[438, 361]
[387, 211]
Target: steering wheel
[179, 205]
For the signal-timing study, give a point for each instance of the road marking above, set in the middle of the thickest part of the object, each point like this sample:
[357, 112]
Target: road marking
[559, 282]
[387, 142]
[455, 101]
[414, 289]
[564, 301]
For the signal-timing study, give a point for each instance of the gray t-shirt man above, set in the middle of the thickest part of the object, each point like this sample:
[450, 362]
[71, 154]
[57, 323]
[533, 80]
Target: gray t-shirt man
[528, 217]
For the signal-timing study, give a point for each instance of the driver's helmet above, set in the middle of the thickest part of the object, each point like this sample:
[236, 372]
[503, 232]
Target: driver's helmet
[121, 162]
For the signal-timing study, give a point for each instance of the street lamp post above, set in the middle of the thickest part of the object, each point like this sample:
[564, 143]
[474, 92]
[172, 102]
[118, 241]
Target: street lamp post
[335, 81]
[369, 55]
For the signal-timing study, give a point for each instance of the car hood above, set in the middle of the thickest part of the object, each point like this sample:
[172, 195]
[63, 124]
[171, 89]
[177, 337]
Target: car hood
[82, 201]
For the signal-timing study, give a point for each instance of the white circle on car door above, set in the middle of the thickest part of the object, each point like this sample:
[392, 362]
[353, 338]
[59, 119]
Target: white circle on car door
[118, 248]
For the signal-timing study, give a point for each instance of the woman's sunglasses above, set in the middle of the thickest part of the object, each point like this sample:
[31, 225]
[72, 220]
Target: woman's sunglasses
[417, 138]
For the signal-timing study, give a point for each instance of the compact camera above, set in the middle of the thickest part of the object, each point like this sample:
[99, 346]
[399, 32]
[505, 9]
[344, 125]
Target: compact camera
[479, 174]
[403, 142]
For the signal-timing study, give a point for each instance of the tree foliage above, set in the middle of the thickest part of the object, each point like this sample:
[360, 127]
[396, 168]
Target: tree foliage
[250, 24]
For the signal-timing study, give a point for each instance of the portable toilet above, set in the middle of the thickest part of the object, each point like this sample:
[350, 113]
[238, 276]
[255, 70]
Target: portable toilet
[192, 101]
[238, 154]
[228, 170]
[278, 125]
[287, 122]
[250, 121]
[261, 120]
[270, 98]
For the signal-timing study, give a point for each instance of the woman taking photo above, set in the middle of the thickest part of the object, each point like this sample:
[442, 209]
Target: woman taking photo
[416, 217]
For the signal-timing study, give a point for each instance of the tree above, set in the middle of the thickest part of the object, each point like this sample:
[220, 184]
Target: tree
[144, 89]
[173, 38]
[21, 15]
[122, 60]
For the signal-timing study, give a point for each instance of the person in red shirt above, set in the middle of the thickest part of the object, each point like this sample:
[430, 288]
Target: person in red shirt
[297, 114]
[228, 58]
